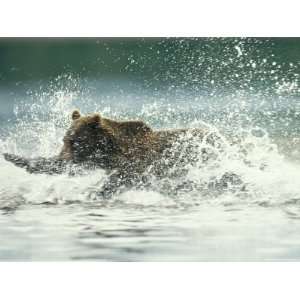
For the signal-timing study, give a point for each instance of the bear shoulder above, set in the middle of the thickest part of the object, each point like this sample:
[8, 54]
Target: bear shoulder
[127, 128]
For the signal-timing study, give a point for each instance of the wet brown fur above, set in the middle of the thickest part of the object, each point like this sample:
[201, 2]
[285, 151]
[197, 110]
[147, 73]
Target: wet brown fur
[128, 144]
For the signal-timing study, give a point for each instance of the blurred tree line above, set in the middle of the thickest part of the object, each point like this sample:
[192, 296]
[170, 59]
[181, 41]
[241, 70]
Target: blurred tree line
[177, 60]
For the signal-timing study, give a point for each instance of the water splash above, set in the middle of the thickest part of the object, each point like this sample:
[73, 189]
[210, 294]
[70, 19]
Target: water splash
[267, 177]
[234, 87]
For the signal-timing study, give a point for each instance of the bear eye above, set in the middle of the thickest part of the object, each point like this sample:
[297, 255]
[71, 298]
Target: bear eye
[93, 125]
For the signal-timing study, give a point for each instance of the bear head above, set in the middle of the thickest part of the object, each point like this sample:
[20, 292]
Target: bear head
[88, 140]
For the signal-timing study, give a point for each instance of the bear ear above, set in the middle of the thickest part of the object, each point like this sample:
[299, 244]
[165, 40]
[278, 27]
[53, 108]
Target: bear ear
[75, 114]
[96, 118]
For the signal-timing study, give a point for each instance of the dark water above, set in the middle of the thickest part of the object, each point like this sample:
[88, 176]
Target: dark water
[246, 89]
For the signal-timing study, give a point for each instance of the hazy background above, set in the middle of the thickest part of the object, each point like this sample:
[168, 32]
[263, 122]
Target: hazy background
[169, 60]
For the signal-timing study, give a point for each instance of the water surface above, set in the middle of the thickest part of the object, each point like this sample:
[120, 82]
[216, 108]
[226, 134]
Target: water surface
[233, 88]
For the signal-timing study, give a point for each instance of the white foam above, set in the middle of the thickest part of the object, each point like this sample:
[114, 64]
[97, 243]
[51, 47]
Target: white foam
[268, 177]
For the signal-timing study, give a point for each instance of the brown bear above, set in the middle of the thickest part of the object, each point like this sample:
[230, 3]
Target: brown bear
[103, 141]
[127, 149]
[125, 145]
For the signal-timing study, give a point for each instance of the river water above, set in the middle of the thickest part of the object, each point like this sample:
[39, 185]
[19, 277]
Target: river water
[46, 217]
